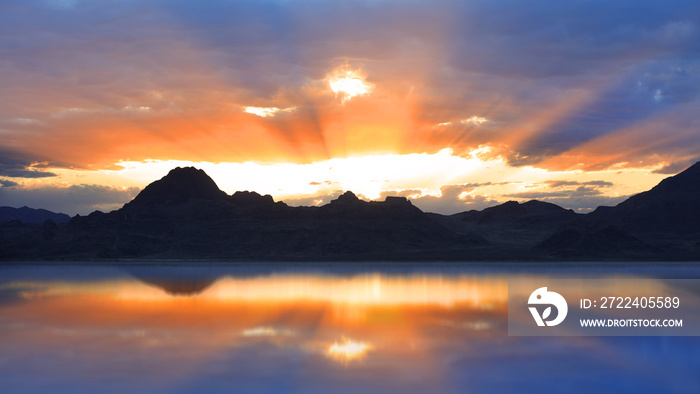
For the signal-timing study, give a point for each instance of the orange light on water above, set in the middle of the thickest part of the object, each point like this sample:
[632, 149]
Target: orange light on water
[348, 350]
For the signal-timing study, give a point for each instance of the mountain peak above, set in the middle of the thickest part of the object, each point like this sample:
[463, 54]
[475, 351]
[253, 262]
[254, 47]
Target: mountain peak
[689, 178]
[180, 185]
[346, 198]
[672, 205]
[252, 198]
[685, 186]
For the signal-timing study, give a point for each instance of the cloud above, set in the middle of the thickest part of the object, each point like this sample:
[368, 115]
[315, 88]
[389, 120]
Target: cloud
[6, 183]
[581, 191]
[676, 167]
[475, 120]
[111, 81]
[128, 109]
[582, 199]
[449, 202]
[314, 201]
[561, 183]
[452, 198]
[265, 112]
[25, 173]
[327, 183]
[15, 164]
[76, 199]
[26, 122]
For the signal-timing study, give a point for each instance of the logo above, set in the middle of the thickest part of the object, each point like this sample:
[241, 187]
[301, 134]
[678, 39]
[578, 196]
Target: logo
[543, 297]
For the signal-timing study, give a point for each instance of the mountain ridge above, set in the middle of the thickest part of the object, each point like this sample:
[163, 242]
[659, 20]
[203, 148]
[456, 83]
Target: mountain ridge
[186, 215]
[31, 215]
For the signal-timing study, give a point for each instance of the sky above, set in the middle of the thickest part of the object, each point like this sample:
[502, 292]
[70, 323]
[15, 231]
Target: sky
[455, 104]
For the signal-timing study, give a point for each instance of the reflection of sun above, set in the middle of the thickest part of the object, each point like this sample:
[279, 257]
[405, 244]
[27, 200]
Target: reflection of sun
[348, 350]
[349, 84]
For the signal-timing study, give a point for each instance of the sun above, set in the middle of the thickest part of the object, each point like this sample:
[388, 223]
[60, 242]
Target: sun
[348, 84]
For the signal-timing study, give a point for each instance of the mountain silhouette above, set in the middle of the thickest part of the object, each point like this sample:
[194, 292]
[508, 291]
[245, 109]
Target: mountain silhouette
[185, 215]
[30, 215]
[511, 224]
[180, 185]
[672, 205]
[663, 222]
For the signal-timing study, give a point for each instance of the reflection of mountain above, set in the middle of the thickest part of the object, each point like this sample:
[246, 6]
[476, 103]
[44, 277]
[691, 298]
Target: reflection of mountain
[185, 215]
[175, 281]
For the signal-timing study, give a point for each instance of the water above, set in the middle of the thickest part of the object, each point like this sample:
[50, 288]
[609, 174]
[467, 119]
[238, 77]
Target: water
[313, 328]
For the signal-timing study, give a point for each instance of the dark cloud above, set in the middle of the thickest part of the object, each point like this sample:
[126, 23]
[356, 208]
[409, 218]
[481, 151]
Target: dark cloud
[25, 173]
[598, 183]
[581, 199]
[634, 62]
[581, 191]
[578, 38]
[586, 204]
[14, 164]
[676, 167]
[561, 183]
[555, 184]
[6, 183]
[76, 199]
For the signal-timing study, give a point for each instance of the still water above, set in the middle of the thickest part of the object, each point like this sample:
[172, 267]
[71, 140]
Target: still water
[313, 328]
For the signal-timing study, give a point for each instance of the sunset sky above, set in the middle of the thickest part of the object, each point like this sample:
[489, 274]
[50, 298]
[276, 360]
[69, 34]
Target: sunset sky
[458, 104]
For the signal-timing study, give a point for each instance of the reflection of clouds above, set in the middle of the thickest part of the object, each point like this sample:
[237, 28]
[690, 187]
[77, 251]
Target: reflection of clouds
[401, 333]
[348, 350]
[374, 289]
[265, 331]
[476, 325]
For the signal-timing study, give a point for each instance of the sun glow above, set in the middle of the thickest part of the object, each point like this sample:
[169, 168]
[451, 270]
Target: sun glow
[349, 84]
[266, 332]
[475, 120]
[467, 175]
[265, 112]
[348, 350]
[368, 176]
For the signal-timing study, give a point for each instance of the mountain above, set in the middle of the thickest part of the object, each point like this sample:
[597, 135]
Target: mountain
[512, 212]
[179, 186]
[662, 223]
[671, 206]
[185, 215]
[511, 223]
[30, 215]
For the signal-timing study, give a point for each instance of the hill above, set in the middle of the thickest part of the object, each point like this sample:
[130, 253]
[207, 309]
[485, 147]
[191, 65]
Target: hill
[185, 215]
[31, 216]
[662, 223]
